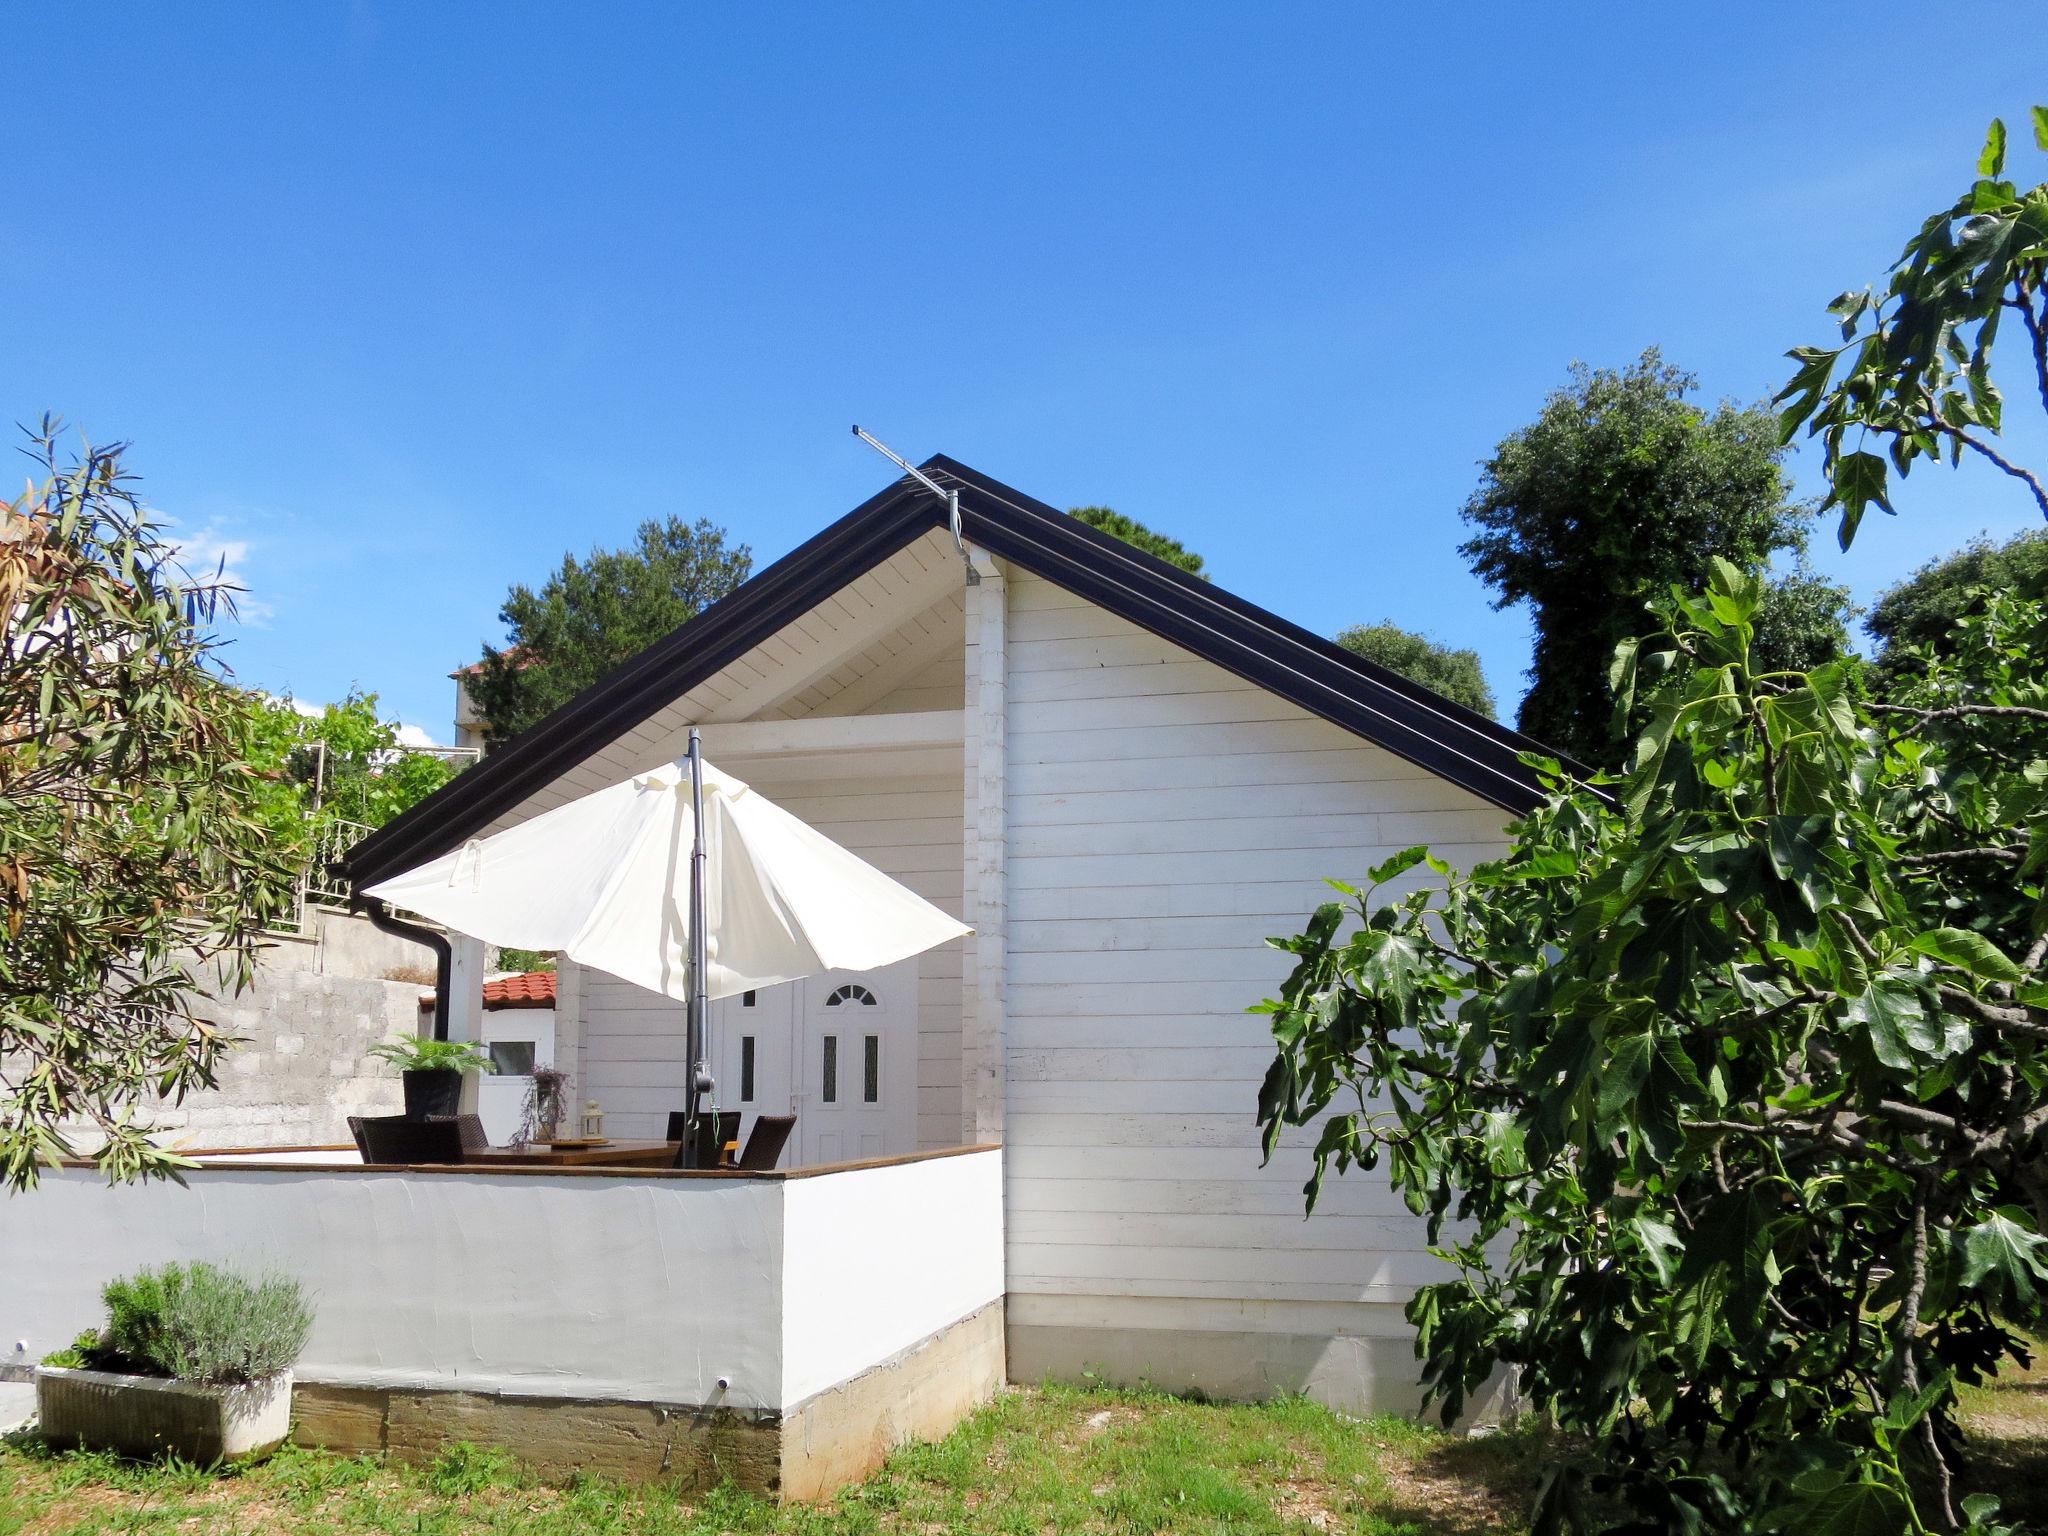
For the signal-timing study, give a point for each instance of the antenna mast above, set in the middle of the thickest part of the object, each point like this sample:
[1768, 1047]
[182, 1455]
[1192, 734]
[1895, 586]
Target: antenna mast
[952, 497]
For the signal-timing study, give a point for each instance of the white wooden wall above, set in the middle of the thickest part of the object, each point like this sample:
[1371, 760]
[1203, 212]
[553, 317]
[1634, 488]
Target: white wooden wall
[1164, 818]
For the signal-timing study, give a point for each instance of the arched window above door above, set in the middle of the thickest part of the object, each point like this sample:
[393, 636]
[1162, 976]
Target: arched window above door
[852, 992]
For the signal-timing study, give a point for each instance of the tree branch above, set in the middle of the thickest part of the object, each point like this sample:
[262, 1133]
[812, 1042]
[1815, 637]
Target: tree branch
[1978, 445]
[1959, 711]
[2036, 333]
[2015, 1020]
[1957, 855]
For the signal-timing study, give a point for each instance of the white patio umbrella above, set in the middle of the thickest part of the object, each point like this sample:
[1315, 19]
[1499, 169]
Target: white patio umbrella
[621, 881]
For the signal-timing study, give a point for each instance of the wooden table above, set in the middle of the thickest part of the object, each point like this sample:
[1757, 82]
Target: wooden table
[613, 1154]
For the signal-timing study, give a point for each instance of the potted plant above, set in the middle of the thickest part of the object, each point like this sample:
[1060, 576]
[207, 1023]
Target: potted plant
[195, 1361]
[432, 1072]
[547, 1103]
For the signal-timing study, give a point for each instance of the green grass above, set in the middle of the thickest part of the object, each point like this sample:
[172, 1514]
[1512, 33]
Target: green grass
[1033, 1463]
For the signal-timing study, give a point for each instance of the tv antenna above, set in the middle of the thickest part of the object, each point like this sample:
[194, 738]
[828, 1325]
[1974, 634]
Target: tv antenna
[952, 497]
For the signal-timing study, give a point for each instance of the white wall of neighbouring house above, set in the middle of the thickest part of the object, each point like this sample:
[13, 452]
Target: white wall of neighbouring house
[1164, 817]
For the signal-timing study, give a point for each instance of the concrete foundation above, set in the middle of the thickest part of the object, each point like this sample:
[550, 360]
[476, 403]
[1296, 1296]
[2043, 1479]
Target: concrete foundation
[835, 1438]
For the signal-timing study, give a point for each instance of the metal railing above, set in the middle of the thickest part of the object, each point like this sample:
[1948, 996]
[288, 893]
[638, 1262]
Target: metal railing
[318, 885]
[334, 836]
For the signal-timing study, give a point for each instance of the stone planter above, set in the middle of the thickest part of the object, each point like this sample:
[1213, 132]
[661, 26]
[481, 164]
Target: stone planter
[432, 1093]
[150, 1416]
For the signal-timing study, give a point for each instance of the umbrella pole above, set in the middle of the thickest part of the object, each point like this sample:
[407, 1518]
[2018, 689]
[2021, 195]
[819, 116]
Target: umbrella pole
[699, 1078]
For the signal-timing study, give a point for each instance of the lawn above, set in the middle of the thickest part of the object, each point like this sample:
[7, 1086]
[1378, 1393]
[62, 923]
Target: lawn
[1032, 1463]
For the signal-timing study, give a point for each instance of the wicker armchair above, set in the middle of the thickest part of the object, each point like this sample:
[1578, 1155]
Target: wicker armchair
[764, 1145]
[471, 1128]
[398, 1141]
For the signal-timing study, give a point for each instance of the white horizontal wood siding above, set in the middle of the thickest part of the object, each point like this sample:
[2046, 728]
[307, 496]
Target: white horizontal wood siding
[1164, 818]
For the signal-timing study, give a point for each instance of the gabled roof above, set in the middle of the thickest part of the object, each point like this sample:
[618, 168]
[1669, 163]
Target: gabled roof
[1320, 676]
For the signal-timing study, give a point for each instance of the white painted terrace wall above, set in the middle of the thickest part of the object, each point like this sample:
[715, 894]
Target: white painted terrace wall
[639, 1289]
[1164, 818]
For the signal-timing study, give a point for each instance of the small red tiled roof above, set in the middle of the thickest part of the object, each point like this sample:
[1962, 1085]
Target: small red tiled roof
[529, 989]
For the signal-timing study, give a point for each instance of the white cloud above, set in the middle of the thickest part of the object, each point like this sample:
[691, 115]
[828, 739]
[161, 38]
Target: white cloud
[414, 736]
[209, 554]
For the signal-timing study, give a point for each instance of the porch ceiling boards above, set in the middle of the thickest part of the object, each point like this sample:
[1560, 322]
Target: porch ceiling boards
[902, 612]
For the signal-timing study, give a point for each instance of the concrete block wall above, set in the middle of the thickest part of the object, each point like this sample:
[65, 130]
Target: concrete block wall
[303, 1065]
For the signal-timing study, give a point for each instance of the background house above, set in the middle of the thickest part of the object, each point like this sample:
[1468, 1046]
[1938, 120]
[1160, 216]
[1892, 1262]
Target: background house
[1125, 780]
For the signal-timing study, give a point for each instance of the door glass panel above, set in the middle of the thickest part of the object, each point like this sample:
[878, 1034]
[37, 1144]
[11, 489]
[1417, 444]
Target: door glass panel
[512, 1058]
[746, 1069]
[830, 1085]
[871, 1071]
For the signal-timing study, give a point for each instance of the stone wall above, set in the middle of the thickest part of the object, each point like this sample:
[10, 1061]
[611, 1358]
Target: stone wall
[318, 1004]
[303, 1065]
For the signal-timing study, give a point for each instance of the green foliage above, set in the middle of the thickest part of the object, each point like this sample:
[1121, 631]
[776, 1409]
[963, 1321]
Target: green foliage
[1803, 621]
[136, 872]
[1912, 375]
[593, 614]
[414, 1053]
[1138, 536]
[1619, 490]
[1919, 613]
[1453, 673]
[510, 959]
[344, 764]
[78, 1354]
[1722, 1089]
[201, 1323]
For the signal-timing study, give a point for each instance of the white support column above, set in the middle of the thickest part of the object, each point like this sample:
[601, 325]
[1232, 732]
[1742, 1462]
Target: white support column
[986, 762]
[569, 1019]
[466, 1002]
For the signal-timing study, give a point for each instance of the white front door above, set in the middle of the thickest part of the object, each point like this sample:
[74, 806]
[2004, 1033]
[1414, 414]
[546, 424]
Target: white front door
[838, 1051]
[859, 1065]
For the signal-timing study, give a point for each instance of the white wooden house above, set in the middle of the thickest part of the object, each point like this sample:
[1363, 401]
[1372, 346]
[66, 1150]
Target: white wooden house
[1125, 779]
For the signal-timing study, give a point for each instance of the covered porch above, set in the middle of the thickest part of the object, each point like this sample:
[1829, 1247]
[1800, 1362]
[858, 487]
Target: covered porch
[875, 715]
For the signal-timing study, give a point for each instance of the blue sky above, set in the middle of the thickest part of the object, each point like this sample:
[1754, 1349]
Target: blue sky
[397, 303]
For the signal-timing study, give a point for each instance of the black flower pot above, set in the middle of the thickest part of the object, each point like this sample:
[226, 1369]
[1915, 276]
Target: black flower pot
[438, 1092]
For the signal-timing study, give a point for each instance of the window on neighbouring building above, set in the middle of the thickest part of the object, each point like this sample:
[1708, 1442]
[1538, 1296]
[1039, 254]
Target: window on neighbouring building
[852, 992]
[512, 1058]
[746, 1069]
[828, 1086]
[871, 1071]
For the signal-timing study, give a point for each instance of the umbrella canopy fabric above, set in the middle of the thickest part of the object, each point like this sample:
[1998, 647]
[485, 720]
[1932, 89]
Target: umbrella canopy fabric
[606, 881]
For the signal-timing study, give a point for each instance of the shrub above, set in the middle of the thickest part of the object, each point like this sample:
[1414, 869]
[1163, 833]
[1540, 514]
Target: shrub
[201, 1323]
[411, 1054]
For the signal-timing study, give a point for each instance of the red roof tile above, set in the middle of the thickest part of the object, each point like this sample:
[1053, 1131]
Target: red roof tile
[530, 989]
